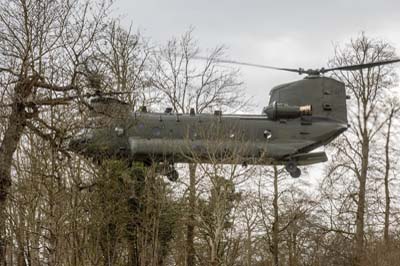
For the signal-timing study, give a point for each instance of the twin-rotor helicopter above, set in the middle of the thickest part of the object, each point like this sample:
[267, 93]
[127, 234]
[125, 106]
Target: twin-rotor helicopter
[300, 117]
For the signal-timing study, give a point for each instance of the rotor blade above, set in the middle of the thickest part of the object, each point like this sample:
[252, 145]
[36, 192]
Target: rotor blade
[300, 71]
[361, 66]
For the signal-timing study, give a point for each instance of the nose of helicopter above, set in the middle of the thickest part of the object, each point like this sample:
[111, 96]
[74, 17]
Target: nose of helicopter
[80, 142]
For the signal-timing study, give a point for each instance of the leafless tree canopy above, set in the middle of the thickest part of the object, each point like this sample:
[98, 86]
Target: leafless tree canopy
[186, 82]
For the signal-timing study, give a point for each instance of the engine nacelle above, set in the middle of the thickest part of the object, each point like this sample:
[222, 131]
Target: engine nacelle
[277, 111]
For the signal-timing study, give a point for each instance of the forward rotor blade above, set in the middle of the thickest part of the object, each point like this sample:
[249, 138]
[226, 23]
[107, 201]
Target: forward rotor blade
[300, 71]
[361, 66]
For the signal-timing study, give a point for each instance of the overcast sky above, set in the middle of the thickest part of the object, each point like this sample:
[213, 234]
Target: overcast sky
[279, 33]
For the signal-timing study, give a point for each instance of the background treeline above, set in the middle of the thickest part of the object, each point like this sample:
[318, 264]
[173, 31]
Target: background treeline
[61, 209]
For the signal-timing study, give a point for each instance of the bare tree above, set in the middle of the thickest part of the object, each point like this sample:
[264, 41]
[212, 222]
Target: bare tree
[367, 89]
[121, 60]
[283, 210]
[250, 215]
[394, 109]
[43, 46]
[216, 207]
[186, 83]
[189, 83]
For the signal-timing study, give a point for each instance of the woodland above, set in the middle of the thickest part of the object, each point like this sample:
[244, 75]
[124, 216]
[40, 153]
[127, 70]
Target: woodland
[60, 208]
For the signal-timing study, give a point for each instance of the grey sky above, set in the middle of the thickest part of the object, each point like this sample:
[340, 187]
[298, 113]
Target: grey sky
[280, 33]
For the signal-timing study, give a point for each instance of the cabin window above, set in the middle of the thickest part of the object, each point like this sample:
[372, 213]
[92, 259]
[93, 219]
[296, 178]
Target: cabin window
[327, 107]
[156, 131]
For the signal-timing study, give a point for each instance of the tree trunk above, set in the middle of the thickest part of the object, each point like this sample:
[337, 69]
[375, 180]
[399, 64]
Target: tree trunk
[191, 217]
[248, 248]
[387, 191]
[359, 237]
[8, 146]
[275, 225]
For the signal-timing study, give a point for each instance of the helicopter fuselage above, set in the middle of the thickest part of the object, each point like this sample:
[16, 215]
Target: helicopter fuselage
[176, 138]
[301, 116]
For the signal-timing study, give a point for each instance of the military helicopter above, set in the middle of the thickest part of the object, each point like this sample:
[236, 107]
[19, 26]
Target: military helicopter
[300, 117]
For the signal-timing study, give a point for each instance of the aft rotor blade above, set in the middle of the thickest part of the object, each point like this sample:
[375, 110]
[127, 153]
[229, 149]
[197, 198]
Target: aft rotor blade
[361, 66]
[249, 64]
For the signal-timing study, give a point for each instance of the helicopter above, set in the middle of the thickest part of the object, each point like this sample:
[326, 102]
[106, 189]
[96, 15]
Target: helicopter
[301, 116]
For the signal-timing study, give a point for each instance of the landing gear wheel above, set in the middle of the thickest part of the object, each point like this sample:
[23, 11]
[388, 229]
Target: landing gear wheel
[293, 170]
[173, 175]
[296, 173]
[291, 166]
